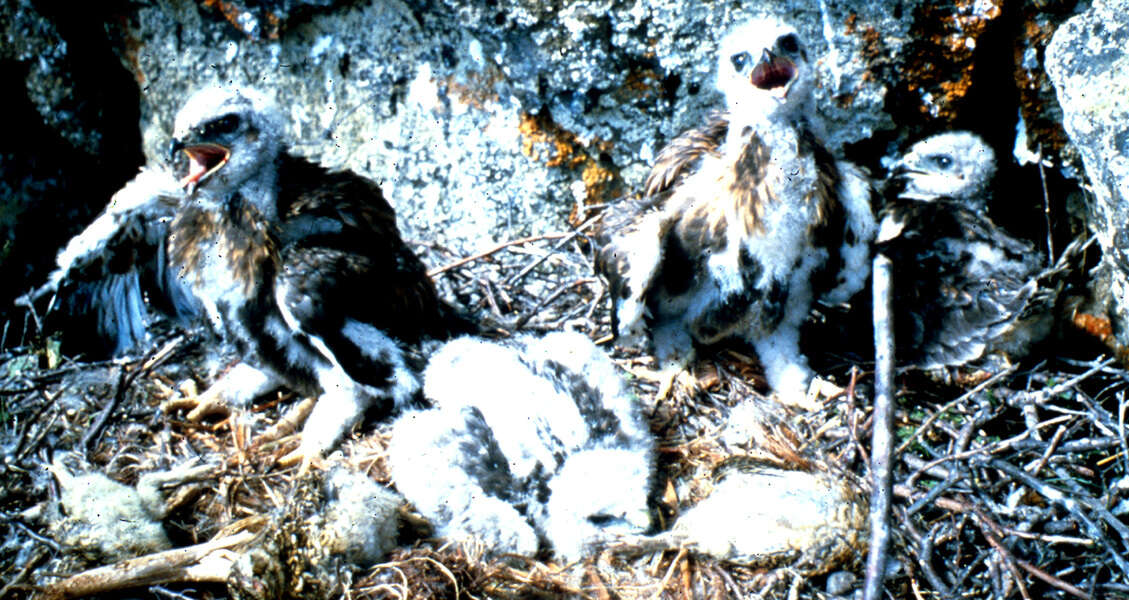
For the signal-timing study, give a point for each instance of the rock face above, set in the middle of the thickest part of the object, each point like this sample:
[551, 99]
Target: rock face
[1088, 60]
[490, 120]
[486, 121]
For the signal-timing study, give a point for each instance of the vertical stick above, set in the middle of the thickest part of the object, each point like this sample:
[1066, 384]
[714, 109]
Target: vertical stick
[881, 440]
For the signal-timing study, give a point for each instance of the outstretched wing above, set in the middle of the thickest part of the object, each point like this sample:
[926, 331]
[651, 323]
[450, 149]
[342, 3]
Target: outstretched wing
[110, 276]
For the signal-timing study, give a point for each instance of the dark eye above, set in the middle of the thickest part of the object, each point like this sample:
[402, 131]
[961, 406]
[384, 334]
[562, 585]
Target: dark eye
[788, 44]
[222, 126]
[600, 520]
[941, 161]
[740, 60]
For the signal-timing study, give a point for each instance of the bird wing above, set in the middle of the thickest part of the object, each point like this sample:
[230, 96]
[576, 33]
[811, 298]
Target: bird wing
[108, 276]
[633, 236]
[343, 261]
[683, 155]
[960, 281]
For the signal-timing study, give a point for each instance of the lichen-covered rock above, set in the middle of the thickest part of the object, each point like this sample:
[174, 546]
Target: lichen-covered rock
[485, 121]
[1087, 60]
[69, 138]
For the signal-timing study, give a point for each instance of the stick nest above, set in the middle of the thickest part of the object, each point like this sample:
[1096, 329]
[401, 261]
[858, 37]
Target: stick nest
[1009, 486]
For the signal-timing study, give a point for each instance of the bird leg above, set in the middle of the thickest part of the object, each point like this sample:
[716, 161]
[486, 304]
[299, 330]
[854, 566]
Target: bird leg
[234, 389]
[666, 378]
[335, 412]
[785, 368]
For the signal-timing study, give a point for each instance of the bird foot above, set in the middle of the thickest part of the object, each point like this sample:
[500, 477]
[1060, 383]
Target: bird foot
[668, 379]
[305, 459]
[199, 405]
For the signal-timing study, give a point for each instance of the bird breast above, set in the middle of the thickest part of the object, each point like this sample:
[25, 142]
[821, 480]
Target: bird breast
[223, 257]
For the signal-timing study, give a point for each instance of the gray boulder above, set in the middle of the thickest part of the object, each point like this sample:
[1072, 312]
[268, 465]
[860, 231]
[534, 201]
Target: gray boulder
[1087, 60]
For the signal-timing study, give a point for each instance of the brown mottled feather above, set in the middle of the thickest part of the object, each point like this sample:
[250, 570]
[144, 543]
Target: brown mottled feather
[683, 155]
[249, 242]
[702, 225]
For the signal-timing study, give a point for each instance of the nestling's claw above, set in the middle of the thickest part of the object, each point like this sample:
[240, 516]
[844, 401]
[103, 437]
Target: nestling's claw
[199, 406]
[667, 378]
[305, 459]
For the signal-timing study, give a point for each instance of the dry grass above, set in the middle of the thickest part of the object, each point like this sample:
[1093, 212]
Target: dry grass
[1015, 487]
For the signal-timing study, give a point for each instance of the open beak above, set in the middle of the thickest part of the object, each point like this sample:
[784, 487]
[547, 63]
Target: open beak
[774, 73]
[203, 160]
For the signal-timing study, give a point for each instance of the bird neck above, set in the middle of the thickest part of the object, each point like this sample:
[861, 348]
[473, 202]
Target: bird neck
[261, 193]
[257, 192]
[776, 130]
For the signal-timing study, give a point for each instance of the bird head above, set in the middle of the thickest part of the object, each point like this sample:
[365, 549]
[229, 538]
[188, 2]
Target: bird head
[956, 165]
[224, 137]
[763, 68]
[596, 495]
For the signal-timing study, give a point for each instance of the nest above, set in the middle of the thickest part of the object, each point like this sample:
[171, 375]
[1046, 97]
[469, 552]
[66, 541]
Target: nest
[1012, 485]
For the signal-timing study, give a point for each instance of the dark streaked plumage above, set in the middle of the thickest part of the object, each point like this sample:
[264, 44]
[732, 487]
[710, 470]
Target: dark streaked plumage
[963, 287]
[746, 220]
[535, 443]
[303, 270]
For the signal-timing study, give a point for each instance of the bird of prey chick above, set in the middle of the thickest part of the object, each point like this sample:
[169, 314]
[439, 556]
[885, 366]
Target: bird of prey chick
[301, 269]
[752, 220]
[963, 287]
[536, 444]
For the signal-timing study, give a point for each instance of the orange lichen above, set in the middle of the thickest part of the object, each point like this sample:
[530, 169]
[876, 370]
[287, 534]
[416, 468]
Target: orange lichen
[638, 84]
[1035, 91]
[543, 140]
[232, 12]
[131, 50]
[874, 53]
[475, 88]
[938, 69]
[1101, 328]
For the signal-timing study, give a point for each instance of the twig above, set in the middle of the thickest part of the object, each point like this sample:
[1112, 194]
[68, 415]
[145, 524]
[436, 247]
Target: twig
[1071, 505]
[564, 240]
[125, 381]
[1045, 394]
[469, 259]
[1051, 447]
[944, 409]
[881, 437]
[557, 293]
[985, 524]
[103, 417]
[27, 568]
[210, 561]
[669, 572]
[1046, 208]
[46, 541]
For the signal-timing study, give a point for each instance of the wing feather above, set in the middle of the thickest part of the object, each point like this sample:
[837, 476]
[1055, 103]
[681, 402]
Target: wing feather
[961, 282]
[105, 275]
[343, 251]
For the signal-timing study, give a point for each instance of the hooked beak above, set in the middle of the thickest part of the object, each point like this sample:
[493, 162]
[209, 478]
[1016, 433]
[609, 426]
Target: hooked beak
[174, 147]
[774, 73]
